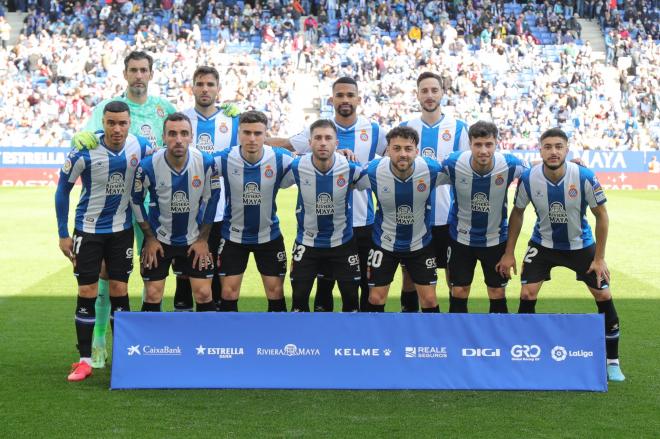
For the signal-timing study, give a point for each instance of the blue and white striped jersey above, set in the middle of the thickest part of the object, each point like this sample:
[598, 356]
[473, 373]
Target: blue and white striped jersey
[211, 135]
[179, 201]
[403, 218]
[478, 214]
[561, 208]
[366, 139]
[323, 208]
[106, 178]
[437, 142]
[250, 191]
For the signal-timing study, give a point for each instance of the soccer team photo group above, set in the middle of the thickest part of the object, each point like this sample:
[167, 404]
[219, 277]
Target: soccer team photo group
[202, 190]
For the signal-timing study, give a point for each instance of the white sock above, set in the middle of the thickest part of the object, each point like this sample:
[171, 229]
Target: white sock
[613, 361]
[87, 360]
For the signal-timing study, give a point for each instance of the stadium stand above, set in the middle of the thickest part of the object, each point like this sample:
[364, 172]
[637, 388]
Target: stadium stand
[521, 64]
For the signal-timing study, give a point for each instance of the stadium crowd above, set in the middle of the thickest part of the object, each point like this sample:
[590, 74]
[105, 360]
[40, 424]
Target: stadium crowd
[488, 54]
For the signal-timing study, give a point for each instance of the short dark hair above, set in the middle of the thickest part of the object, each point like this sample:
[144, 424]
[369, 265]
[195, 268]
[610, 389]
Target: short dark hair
[137, 55]
[253, 116]
[345, 80]
[482, 129]
[427, 75]
[116, 107]
[403, 132]
[553, 132]
[206, 70]
[176, 117]
[322, 123]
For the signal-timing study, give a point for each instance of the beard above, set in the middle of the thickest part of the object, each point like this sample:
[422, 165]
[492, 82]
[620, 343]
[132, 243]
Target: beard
[554, 167]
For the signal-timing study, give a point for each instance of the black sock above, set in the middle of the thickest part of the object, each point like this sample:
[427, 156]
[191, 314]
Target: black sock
[183, 297]
[433, 310]
[85, 318]
[611, 328]
[458, 305]
[349, 296]
[227, 305]
[277, 305]
[120, 303]
[409, 301]
[301, 290]
[498, 306]
[323, 301]
[150, 307]
[375, 308]
[527, 306]
[208, 306]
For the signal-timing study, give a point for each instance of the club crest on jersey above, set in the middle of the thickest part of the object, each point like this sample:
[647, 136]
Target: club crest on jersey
[499, 180]
[404, 215]
[421, 186]
[428, 152]
[364, 136]
[134, 161]
[480, 203]
[66, 168]
[196, 181]
[204, 142]
[557, 213]
[115, 184]
[251, 194]
[268, 173]
[223, 128]
[341, 181]
[324, 204]
[572, 191]
[446, 136]
[180, 203]
[159, 111]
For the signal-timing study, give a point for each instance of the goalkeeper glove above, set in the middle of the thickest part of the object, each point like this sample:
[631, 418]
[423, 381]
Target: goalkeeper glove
[85, 140]
[230, 110]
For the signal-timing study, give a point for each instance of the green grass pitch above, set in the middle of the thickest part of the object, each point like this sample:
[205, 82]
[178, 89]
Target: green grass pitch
[37, 345]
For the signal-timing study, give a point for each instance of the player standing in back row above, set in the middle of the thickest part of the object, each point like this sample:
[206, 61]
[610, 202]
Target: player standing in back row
[212, 131]
[560, 192]
[439, 136]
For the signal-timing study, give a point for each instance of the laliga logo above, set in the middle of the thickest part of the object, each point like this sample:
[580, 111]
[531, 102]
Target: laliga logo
[480, 352]
[558, 353]
[525, 352]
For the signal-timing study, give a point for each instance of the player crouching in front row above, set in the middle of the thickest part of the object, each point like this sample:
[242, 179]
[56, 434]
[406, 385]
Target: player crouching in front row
[183, 185]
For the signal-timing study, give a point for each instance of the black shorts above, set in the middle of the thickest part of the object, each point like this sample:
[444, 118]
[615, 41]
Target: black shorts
[440, 242]
[269, 256]
[420, 264]
[462, 260]
[178, 264]
[539, 260]
[364, 243]
[116, 249]
[341, 263]
[176, 255]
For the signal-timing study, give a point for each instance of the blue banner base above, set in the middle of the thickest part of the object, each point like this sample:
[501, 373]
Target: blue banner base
[359, 351]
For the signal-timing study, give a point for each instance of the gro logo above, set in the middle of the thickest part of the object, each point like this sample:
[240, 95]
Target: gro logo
[524, 352]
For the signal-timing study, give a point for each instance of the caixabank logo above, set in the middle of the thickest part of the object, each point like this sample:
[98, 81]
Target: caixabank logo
[148, 350]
